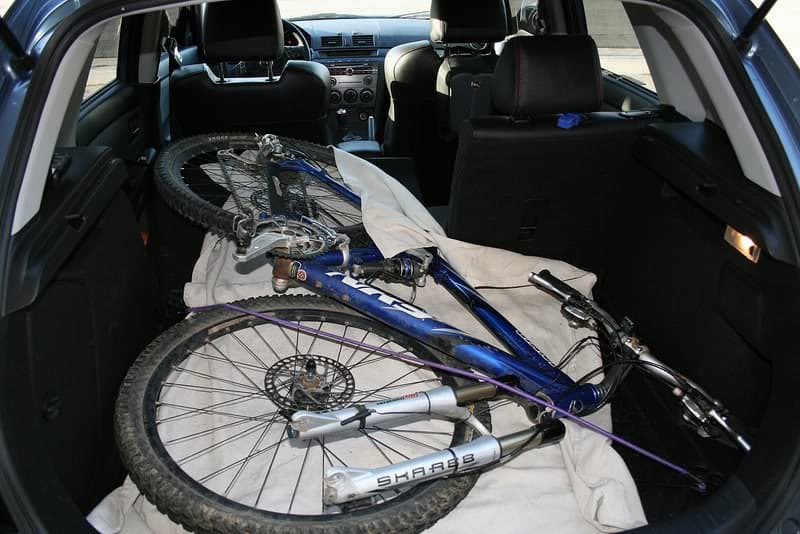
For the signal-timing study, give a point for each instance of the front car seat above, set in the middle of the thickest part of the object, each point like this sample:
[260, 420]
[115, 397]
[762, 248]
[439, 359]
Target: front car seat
[420, 118]
[292, 101]
[464, 79]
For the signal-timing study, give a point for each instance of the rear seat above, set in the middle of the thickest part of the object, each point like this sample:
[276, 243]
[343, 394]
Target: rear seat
[523, 183]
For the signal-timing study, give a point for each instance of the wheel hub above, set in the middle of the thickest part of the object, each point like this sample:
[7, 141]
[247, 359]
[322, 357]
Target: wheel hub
[309, 382]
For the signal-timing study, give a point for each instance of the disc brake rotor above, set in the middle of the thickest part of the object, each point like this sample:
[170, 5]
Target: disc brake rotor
[309, 382]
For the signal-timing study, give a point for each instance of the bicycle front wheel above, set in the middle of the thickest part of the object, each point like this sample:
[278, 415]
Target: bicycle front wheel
[202, 421]
[216, 180]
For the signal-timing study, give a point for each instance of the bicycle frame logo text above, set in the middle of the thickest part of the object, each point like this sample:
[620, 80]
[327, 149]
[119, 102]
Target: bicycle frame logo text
[391, 302]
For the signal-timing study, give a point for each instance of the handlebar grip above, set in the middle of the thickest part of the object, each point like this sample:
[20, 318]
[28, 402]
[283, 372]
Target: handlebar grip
[546, 281]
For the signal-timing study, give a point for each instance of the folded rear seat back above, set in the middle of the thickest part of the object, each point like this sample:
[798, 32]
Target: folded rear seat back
[542, 189]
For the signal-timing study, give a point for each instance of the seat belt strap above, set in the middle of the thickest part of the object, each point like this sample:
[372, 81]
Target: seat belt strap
[170, 46]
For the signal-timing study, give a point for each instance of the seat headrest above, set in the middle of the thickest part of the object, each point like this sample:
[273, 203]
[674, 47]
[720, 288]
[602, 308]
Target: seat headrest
[469, 21]
[548, 74]
[242, 30]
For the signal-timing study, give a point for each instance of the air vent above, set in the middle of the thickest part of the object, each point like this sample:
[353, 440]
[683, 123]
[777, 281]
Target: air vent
[363, 40]
[331, 41]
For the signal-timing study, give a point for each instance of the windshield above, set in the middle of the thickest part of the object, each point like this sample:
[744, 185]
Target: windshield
[320, 9]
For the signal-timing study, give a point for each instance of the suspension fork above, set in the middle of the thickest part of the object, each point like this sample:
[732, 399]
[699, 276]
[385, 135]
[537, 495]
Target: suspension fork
[344, 484]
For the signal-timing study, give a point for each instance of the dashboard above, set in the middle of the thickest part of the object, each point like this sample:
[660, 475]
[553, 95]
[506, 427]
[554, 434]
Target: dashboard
[354, 49]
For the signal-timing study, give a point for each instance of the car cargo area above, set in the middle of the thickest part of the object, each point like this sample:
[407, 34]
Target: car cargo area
[651, 199]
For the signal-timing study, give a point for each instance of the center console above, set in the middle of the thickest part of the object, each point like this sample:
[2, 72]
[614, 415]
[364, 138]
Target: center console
[354, 86]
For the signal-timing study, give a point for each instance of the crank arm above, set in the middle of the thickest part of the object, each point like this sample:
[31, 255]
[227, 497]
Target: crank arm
[343, 484]
[442, 402]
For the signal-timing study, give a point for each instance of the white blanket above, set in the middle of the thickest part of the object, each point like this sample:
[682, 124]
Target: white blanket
[580, 486]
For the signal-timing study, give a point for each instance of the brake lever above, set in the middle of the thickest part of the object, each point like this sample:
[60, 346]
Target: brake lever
[705, 413]
[700, 409]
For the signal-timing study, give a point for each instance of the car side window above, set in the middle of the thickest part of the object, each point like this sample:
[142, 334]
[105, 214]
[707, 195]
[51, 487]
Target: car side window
[619, 49]
[783, 19]
[104, 64]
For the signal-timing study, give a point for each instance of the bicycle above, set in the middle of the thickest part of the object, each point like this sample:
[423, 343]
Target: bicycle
[319, 394]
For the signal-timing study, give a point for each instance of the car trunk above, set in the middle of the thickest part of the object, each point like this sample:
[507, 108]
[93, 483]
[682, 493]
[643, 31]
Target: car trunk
[700, 304]
[99, 273]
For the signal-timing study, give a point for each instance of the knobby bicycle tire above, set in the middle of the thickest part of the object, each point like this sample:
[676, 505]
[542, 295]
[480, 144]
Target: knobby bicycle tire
[203, 203]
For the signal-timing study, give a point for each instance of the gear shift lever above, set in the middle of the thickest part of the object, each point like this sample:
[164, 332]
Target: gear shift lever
[341, 123]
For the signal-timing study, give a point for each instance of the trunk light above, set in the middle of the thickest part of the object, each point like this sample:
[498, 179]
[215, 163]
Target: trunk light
[745, 245]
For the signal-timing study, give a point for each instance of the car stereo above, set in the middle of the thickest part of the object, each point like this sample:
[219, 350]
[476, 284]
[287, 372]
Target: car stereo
[353, 83]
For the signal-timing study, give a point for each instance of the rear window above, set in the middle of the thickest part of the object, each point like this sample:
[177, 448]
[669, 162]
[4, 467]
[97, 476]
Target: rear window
[620, 52]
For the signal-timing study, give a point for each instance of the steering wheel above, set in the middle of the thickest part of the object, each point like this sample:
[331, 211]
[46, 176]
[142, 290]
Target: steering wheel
[301, 50]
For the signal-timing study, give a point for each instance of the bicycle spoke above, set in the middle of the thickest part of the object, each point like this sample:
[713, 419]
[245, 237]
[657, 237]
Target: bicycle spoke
[329, 452]
[296, 350]
[322, 476]
[299, 476]
[249, 456]
[210, 377]
[249, 351]
[230, 466]
[205, 389]
[374, 442]
[199, 411]
[193, 410]
[269, 469]
[404, 438]
[259, 388]
[201, 433]
[265, 343]
[341, 345]
[205, 356]
[370, 353]
[316, 335]
[357, 347]
[414, 370]
[217, 445]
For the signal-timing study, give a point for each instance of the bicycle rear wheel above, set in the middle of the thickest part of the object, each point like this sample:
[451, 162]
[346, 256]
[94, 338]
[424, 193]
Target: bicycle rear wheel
[216, 180]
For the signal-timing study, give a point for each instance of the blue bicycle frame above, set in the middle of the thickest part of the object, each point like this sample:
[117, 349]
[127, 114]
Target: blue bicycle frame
[524, 362]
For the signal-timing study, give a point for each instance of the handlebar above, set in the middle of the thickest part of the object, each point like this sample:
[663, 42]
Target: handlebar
[700, 409]
[546, 281]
